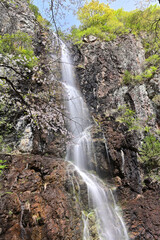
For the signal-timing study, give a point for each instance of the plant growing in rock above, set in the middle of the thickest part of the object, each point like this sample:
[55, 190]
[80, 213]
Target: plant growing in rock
[129, 79]
[150, 149]
[128, 117]
[2, 166]
[17, 52]
[33, 8]
[156, 99]
[23, 76]
[150, 152]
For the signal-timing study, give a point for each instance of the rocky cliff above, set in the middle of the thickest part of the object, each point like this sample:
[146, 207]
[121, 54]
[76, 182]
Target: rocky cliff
[30, 110]
[100, 71]
[39, 199]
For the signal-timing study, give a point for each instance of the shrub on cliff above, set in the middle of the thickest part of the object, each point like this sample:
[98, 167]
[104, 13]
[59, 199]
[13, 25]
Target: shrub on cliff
[150, 149]
[17, 60]
[16, 49]
[42, 21]
[100, 20]
[2, 166]
[128, 117]
[34, 8]
[150, 152]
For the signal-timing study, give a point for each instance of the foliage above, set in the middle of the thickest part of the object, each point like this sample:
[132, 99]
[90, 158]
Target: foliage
[150, 152]
[17, 48]
[43, 22]
[100, 20]
[150, 149]
[34, 8]
[2, 166]
[127, 77]
[5, 148]
[148, 73]
[94, 13]
[153, 60]
[156, 99]
[127, 116]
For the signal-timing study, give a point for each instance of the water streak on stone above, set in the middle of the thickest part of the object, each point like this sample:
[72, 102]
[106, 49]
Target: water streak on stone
[109, 223]
[123, 160]
[23, 232]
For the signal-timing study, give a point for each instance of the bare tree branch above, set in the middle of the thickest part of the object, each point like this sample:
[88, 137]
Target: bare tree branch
[15, 90]
[17, 72]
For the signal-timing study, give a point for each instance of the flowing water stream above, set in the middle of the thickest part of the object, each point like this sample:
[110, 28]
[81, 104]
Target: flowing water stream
[108, 220]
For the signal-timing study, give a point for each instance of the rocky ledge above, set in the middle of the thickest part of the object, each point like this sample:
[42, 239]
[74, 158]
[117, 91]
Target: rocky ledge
[36, 202]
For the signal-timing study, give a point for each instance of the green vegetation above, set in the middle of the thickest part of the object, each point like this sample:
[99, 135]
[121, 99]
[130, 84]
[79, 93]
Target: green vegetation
[156, 99]
[18, 49]
[128, 117]
[151, 67]
[100, 20]
[150, 149]
[93, 223]
[128, 78]
[34, 8]
[9, 1]
[10, 213]
[17, 63]
[5, 148]
[2, 166]
[150, 152]
[42, 21]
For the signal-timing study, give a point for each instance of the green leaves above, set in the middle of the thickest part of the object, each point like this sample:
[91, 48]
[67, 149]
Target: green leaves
[2, 166]
[127, 116]
[17, 48]
[33, 8]
[148, 73]
[150, 152]
[153, 60]
[100, 20]
[94, 13]
[150, 149]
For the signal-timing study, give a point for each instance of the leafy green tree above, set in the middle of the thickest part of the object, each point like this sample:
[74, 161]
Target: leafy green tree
[99, 19]
[94, 13]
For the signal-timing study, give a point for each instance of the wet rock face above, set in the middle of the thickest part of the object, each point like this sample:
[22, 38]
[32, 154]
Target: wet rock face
[100, 68]
[123, 154]
[36, 201]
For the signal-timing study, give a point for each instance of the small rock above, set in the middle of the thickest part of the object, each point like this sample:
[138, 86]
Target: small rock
[84, 39]
[92, 38]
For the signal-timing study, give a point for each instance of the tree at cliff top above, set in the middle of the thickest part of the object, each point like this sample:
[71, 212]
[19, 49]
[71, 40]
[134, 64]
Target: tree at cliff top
[100, 20]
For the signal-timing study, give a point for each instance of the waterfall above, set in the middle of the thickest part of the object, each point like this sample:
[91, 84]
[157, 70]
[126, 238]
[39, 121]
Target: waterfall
[108, 220]
[123, 160]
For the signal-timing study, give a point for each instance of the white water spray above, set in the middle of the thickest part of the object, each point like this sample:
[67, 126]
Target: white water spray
[110, 225]
[123, 160]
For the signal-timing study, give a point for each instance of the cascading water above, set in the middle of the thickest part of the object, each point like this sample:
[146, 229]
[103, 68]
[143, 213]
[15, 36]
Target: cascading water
[109, 223]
